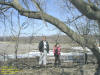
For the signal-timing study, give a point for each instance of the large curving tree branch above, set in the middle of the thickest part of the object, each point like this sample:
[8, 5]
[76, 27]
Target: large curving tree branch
[59, 24]
[88, 9]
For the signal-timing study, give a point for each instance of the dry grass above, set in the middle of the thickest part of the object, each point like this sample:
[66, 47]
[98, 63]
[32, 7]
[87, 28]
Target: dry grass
[86, 70]
[29, 66]
[9, 47]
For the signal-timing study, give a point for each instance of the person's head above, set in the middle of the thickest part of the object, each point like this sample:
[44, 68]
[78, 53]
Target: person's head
[57, 44]
[44, 38]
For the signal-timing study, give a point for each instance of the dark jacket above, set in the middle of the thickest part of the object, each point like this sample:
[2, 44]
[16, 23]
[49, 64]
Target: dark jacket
[41, 46]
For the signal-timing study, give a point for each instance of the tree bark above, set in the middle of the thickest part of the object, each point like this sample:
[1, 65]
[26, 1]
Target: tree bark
[59, 24]
[91, 12]
[87, 9]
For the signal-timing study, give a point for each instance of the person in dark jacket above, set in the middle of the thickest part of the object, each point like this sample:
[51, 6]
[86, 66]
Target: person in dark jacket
[44, 49]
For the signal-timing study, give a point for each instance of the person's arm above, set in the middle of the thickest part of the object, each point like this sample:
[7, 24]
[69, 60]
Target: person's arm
[40, 43]
[53, 50]
[59, 49]
[47, 47]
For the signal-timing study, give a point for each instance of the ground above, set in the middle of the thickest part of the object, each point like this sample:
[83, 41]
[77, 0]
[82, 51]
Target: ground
[31, 67]
[9, 47]
[86, 70]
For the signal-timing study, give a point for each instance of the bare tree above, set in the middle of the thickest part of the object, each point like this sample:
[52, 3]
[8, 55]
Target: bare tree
[87, 9]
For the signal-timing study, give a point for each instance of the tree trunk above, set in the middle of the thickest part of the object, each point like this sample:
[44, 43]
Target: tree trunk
[98, 68]
[60, 25]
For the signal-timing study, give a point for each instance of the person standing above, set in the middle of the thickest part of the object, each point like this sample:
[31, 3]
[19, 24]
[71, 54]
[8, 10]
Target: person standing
[56, 51]
[44, 49]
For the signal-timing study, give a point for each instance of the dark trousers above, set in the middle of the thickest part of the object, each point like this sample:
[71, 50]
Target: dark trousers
[57, 59]
[86, 57]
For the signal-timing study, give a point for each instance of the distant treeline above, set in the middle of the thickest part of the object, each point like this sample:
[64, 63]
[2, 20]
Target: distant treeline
[36, 39]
